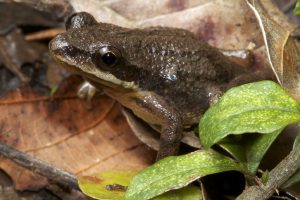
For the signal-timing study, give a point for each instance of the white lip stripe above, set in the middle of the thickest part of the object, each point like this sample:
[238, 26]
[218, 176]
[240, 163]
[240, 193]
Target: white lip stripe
[112, 79]
[97, 75]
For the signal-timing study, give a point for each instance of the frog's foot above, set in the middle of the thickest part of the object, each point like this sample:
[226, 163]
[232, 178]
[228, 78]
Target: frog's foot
[86, 91]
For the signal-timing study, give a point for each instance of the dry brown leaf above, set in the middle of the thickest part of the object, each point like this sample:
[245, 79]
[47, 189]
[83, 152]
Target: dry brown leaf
[282, 51]
[61, 131]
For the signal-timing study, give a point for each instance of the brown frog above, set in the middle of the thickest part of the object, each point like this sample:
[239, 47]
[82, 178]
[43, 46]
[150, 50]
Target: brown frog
[166, 76]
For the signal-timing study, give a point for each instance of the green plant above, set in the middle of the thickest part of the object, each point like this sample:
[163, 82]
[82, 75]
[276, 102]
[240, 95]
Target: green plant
[261, 109]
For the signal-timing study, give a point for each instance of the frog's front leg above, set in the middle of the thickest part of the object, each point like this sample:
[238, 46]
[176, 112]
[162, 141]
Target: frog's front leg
[153, 109]
[171, 135]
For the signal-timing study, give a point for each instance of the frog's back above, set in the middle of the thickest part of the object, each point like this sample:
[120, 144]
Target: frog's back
[180, 68]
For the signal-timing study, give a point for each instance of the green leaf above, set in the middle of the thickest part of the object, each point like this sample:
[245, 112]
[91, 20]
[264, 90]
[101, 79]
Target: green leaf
[257, 148]
[262, 107]
[250, 149]
[178, 171]
[235, 146]
[186, 193]
[297, 8]
[96, 186]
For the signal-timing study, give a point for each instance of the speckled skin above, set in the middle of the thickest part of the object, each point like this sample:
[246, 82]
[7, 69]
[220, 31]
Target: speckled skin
[166, 76]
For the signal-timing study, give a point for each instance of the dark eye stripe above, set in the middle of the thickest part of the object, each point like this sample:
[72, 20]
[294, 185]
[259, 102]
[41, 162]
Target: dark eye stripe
[72, 52]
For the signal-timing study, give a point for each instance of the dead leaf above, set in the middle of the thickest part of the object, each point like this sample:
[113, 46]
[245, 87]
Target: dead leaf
[61, 131]
[282, 51]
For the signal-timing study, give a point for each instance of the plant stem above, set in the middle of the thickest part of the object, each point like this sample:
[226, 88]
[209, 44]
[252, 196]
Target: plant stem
[278, 176]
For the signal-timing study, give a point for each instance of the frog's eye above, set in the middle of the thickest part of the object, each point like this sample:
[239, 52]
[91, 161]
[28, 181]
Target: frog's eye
[109, 55]
[109, 58]
[80, 20]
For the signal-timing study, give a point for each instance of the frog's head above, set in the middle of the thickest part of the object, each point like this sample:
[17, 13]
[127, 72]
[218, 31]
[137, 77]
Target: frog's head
[89, 49]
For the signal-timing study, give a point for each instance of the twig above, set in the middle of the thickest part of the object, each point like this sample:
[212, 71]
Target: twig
[44, 34]
[279, 175]
[38, 166]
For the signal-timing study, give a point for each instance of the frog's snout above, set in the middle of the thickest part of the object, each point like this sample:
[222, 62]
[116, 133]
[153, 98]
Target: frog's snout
[57, 44]
[63, 53]
[60, 51]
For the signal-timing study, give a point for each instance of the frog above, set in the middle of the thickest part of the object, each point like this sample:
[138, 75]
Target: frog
[166, 76]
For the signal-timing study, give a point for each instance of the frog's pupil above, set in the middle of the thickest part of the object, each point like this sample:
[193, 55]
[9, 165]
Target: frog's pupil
[109, 58]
